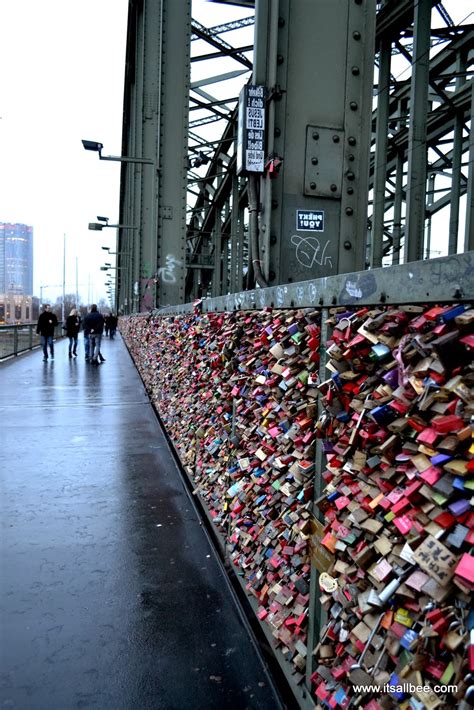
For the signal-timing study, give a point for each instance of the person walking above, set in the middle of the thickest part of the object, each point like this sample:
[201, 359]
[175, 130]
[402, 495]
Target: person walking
[47, 322]
[86, 339]
[94, 326]
[72, 327]
[88, 348]
[112, 325]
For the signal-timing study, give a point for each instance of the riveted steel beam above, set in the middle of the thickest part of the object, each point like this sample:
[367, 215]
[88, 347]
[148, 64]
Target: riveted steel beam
[156, 126]
[316, 223]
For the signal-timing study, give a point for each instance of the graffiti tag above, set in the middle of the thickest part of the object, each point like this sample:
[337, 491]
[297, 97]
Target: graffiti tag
[309, 252]
[166, 273]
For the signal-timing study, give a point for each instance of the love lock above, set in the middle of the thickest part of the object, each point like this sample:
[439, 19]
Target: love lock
[273, 165]
[322, 421]
[358, 674]
[327, 583]
[372, 671]
[470, 651]
[467, 703]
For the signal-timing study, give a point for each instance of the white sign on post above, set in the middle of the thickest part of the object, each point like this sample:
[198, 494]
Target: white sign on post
[251, 130]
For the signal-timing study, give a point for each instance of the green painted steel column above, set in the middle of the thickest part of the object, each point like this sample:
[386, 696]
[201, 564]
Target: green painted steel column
[235, 239]
[381, 142]
[416, 182]
[173, 149]
[322, 102]
[153, 196]
[469, 230]
[397, 210]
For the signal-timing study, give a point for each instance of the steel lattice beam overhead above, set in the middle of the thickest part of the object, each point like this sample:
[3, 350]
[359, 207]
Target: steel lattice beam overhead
[224, 65]
[218, 213]
[435, 68]
[236, 3]
[227, 27]
[446, 116]
[223, 48]
[445, 120]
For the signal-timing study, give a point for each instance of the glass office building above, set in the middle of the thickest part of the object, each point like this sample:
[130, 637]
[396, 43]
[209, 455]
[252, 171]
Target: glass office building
[16, 259]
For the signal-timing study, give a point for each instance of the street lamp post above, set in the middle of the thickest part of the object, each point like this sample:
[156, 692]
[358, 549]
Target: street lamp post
[98, 227]
[97, 148]
[145, 249]
[115, 253]
[111, 290]
[102, 223]
[42, 286]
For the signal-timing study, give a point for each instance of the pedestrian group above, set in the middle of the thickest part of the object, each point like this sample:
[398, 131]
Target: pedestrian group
[93, 326]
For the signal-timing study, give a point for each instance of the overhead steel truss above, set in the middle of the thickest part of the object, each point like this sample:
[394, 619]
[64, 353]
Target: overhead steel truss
[421, 145]
[403, 188]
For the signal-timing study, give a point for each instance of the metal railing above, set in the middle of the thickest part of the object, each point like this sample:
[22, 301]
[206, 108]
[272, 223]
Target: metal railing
[17, 339]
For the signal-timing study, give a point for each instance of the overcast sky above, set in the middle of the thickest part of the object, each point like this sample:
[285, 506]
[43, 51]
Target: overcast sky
[61, 80]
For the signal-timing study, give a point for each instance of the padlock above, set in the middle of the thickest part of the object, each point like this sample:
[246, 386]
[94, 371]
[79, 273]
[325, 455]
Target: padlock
[469, 696]
[470, 651]
[358, 675]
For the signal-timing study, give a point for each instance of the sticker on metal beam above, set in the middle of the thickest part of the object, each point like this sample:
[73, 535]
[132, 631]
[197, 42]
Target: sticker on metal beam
[310, 220]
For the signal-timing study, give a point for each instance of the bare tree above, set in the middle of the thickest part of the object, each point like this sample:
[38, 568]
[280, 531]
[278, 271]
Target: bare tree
[103, 306]
[69, 304]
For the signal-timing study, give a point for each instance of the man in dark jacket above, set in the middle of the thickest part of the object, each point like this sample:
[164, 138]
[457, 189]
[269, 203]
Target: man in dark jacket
[112, 325]
[94, 326]
[47, 322]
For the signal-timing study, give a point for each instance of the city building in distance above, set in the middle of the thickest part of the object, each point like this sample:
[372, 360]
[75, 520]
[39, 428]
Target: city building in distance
[16, 272]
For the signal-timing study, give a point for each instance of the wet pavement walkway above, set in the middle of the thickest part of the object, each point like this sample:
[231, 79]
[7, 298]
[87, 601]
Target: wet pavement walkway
[112, 596]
